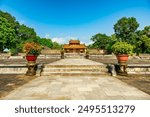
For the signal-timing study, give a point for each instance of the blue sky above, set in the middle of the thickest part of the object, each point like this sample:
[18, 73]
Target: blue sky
[62, 20]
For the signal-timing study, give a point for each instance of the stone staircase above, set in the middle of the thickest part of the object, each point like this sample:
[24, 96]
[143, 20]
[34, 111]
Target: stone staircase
[74, 68]
[74, 55]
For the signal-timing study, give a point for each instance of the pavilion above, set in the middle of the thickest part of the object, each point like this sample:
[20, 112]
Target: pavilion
[74, 46]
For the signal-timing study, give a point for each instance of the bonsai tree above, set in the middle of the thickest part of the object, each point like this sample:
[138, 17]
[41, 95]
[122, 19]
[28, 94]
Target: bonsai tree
[122, 48]
[122, 51]
[32, 48]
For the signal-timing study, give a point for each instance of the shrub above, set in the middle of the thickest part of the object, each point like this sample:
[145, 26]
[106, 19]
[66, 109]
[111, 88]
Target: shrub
[122, 48]
[32, 48]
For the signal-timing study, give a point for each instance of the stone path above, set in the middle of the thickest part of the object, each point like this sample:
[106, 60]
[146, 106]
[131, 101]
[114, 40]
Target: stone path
[76, 87]
[75, 62]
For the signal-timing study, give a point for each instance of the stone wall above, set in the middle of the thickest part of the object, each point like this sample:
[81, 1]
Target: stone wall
[49, 56]
[4, 55]
[138, 69]
[50, 51]
[145, 56]
[13, 69]
[96, 56]
[97, 51]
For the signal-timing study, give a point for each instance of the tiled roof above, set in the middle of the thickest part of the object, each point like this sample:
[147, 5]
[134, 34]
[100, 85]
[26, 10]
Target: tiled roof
[74, 42]
[81, 46]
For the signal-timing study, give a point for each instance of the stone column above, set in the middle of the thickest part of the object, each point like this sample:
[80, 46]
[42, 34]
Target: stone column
[31, 68]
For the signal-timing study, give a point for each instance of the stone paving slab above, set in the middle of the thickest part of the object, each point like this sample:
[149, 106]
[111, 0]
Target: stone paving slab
[76, 88]
[75, 62]
[57, 87]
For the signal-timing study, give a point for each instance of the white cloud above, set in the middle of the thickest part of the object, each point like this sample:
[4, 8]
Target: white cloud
[63, 40]
[86, 43]
[71, 37]
[60, 40]
[89, 43]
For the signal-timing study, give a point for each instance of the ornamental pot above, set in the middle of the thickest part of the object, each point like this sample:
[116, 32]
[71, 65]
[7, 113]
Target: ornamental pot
[122, 58]
[31, 57]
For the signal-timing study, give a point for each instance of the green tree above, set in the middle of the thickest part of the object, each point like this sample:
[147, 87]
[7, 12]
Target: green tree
[90, 46]
[7, 35]
[11, 19]
[25, 34]
[12, 26]
[112, 40]
[22, 32]
[100, 41]
[146, 31]
[45, 42]
[146, 43]
[142, 41]
[125, 29]
[56, 45]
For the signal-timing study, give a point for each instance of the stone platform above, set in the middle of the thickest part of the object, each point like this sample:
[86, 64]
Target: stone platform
[76, 87]
[72, 67]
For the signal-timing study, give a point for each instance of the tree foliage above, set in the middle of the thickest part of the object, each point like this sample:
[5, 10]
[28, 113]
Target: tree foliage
[13, 35]
[146, 31]
[10, 19]
[125, 29]
[25, 34]
[122, 48]
[142, 41]
[100, 41]
[7, 34]
[56, 45]
[146, 43]
[45, 42]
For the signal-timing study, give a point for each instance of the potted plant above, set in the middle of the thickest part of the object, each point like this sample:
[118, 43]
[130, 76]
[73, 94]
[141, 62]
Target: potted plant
[32, 50]
[122, 50]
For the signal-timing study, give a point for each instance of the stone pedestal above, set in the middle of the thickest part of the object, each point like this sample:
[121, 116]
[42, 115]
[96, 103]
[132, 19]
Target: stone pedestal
[31, 68]
[122, 69]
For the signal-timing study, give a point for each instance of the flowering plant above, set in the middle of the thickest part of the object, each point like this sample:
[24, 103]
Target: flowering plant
[32, 48]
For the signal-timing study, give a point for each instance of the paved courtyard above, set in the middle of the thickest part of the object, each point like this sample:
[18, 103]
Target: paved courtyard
[72, 88]
[57, 87]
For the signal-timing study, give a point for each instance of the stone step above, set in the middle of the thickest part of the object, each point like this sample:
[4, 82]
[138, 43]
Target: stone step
[73, 73]
[74, 69]
[69, 70]
[74, 66]
[74, 56]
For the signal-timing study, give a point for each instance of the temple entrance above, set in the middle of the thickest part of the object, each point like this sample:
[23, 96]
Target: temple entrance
[74, 49]
[74, 46]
